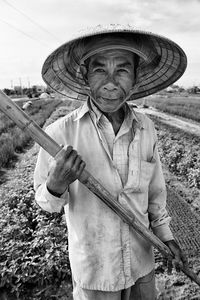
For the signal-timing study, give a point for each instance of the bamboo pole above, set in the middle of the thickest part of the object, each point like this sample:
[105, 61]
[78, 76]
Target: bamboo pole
[15, 113]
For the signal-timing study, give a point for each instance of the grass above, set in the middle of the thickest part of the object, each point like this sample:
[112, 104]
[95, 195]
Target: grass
[183, 106]
[12, 139]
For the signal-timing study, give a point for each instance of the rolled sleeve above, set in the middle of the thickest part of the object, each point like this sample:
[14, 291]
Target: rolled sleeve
[43, 197]
[49, 202]
[158, 215]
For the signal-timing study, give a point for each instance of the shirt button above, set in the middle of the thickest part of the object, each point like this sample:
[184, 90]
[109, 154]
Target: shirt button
[125, 247]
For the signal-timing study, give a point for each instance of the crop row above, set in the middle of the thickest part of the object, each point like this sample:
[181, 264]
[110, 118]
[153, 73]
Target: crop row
[34, 248]
[187, 107]
[179, 152]
[33, 243]
[13, 139]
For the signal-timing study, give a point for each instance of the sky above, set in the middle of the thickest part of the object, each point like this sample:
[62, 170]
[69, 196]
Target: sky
[31, 30]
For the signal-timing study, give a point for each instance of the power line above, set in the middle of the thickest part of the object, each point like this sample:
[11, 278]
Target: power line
[31, 20]
[24, 33]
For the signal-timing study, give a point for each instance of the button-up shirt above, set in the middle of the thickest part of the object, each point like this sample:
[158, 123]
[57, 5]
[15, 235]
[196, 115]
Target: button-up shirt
[105, 254]
[116, 146]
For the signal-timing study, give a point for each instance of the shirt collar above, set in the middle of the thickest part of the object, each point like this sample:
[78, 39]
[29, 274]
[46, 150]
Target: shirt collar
[98, 114]
[89, 107]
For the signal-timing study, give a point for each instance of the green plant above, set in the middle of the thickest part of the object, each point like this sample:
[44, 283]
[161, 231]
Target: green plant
[7, 152]
[13, 139]
[34, 259]
[179, 152]
[34, 248]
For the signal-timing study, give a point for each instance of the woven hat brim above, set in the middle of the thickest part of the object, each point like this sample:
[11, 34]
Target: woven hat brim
[61, 70]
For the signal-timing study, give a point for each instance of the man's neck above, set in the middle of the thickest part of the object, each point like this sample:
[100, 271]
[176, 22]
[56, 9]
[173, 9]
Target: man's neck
[116, 119]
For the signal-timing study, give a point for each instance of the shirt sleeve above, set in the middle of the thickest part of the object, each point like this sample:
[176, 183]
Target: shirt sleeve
[43, 197]
[158, 215]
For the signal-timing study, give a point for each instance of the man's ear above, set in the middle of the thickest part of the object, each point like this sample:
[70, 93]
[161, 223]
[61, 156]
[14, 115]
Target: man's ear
[84, 71]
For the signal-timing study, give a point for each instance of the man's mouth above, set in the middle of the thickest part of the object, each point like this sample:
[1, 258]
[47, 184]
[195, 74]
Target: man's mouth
[109, 99]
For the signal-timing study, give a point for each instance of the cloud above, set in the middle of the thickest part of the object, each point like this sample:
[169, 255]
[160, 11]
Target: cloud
[166, 16]
[64, 17]
[175, 19]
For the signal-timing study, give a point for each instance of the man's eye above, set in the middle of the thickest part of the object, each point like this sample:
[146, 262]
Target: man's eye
[99, 70]
[122, 70]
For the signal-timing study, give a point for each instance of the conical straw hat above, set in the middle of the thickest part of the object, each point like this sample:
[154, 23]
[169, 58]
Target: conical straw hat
[161, 61]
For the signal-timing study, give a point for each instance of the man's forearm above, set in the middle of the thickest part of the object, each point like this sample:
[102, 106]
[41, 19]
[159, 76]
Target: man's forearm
[48, 201]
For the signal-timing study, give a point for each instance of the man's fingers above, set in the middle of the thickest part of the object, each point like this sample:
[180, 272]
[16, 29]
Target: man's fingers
[77, 162]
[169, 266]
[177, 265]
[178, 257]
[72, 158]
[81, 168]
[68, 151]
[164, 261]
[184, 259]
[69, 162]
[67, 155]
[64, 152]
[179, 260]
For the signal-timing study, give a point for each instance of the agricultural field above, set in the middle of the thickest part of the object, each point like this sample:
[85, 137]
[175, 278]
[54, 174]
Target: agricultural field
[186, 106]
[12, 139]
[179, 153]
[33, 244]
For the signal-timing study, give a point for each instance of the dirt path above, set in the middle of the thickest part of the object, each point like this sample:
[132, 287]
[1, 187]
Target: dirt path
[184, 124]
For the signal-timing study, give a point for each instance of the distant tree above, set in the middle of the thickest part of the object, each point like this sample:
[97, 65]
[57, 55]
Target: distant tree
[25, 90]
[181, 89]
[7, 91]
[194, 90]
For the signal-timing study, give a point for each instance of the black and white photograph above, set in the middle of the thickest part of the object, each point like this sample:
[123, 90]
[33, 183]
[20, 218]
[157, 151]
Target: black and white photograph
[99, 150]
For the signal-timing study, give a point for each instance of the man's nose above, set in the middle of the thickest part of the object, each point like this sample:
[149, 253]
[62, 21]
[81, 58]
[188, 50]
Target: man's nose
[110, 86]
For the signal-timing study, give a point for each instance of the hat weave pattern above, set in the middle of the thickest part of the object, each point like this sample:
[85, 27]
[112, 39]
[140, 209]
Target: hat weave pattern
[161, 61]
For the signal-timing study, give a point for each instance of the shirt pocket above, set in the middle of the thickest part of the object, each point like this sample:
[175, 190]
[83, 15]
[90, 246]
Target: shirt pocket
[146, 173]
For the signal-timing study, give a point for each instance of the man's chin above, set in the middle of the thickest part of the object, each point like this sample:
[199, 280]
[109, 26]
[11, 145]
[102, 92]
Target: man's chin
[108, 105]
[110, 108]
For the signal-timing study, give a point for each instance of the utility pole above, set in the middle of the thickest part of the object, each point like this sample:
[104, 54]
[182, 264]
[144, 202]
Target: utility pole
[28, 82]
[20, 83]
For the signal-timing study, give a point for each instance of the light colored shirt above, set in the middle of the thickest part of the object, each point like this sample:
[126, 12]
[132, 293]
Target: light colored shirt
[105, 254]
[116, 145]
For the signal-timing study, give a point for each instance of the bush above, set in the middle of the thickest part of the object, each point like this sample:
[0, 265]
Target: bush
[7, 152]
[34, 248]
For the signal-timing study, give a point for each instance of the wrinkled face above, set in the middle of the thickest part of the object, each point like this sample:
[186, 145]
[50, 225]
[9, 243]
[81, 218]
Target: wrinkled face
[111, 77]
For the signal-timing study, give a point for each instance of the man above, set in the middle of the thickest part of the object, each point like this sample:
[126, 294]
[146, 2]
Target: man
[119, 147]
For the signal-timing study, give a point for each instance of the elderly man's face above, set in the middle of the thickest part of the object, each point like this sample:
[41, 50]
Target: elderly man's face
[111, 77]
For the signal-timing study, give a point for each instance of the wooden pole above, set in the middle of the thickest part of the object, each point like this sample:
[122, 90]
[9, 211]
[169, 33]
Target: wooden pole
[15, 113]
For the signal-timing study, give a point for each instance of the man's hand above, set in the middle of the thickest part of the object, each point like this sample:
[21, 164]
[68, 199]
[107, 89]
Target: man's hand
[66, 168]
[179, 257]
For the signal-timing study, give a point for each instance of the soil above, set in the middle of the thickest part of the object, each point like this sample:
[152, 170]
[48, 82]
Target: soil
[185, 225]
[179, 122]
